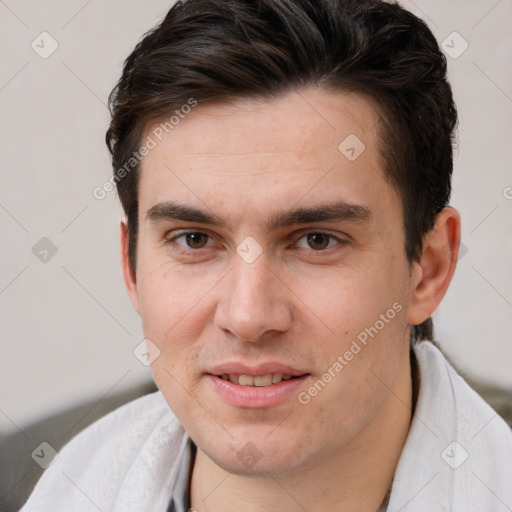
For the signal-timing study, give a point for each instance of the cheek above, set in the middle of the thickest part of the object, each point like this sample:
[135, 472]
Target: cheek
[174, 311]
[361, 328]
[357, 377]
[171, 302]
[173, 318]
[348, 299]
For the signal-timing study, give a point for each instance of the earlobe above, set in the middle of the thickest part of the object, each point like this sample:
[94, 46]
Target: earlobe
[433, 273]
[129, 277]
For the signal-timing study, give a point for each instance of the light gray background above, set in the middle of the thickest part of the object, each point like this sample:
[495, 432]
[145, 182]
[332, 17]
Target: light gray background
[67, 327]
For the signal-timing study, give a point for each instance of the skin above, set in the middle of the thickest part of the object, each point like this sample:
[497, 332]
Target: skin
[295, 304]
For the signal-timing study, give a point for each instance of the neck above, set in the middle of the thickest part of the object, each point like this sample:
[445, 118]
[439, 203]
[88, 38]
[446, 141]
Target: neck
[357, 478]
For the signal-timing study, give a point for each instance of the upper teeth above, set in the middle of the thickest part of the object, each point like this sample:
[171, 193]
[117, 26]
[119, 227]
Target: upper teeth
[259, 380]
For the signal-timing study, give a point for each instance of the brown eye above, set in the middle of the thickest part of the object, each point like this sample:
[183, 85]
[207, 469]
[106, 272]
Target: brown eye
[318, 241]
[193, 240]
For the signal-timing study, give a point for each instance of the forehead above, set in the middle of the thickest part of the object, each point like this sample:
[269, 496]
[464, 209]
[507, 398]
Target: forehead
[251, 156]
[280, 125]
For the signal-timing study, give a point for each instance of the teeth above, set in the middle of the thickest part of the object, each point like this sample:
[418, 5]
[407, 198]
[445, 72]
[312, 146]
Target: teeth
[259, 381]
[263, 380]
[277, 377]
[245, 380]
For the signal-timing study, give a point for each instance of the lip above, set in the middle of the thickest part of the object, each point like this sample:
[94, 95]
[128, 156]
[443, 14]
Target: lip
[256, 397]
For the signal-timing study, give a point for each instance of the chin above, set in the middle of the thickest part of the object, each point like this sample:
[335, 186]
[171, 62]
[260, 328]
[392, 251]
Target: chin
[258, 457]
[260, 465]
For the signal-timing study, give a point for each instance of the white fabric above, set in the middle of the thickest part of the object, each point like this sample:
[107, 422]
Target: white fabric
[127, 461]
[448, 411]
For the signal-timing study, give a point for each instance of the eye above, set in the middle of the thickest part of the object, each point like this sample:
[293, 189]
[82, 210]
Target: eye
[192, 240]
[317, 241]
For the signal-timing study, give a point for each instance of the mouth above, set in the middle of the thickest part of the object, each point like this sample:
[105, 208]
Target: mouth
[264, 386]
[257, 380]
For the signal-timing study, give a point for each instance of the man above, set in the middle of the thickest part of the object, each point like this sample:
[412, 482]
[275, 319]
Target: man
[285, 171]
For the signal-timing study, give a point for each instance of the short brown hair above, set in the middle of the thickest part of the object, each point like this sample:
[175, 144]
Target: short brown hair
[220, 50]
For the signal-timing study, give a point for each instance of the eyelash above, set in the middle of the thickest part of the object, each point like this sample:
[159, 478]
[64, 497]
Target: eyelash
[184, 249]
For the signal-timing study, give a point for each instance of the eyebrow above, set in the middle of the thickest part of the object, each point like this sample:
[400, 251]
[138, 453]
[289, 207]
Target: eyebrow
[339, 211]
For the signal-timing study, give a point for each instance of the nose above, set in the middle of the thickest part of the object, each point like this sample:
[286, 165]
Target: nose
[255, 304]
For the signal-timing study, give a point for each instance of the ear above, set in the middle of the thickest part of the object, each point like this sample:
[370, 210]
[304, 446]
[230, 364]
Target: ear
[128, 273]
[433, 273]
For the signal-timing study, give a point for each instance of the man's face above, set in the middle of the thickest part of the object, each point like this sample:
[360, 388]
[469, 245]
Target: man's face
[299, 252]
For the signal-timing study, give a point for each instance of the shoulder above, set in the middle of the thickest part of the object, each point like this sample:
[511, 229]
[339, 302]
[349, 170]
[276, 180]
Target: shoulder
[129, 425]
[458, 447]
[466, 407]
[117, 455]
